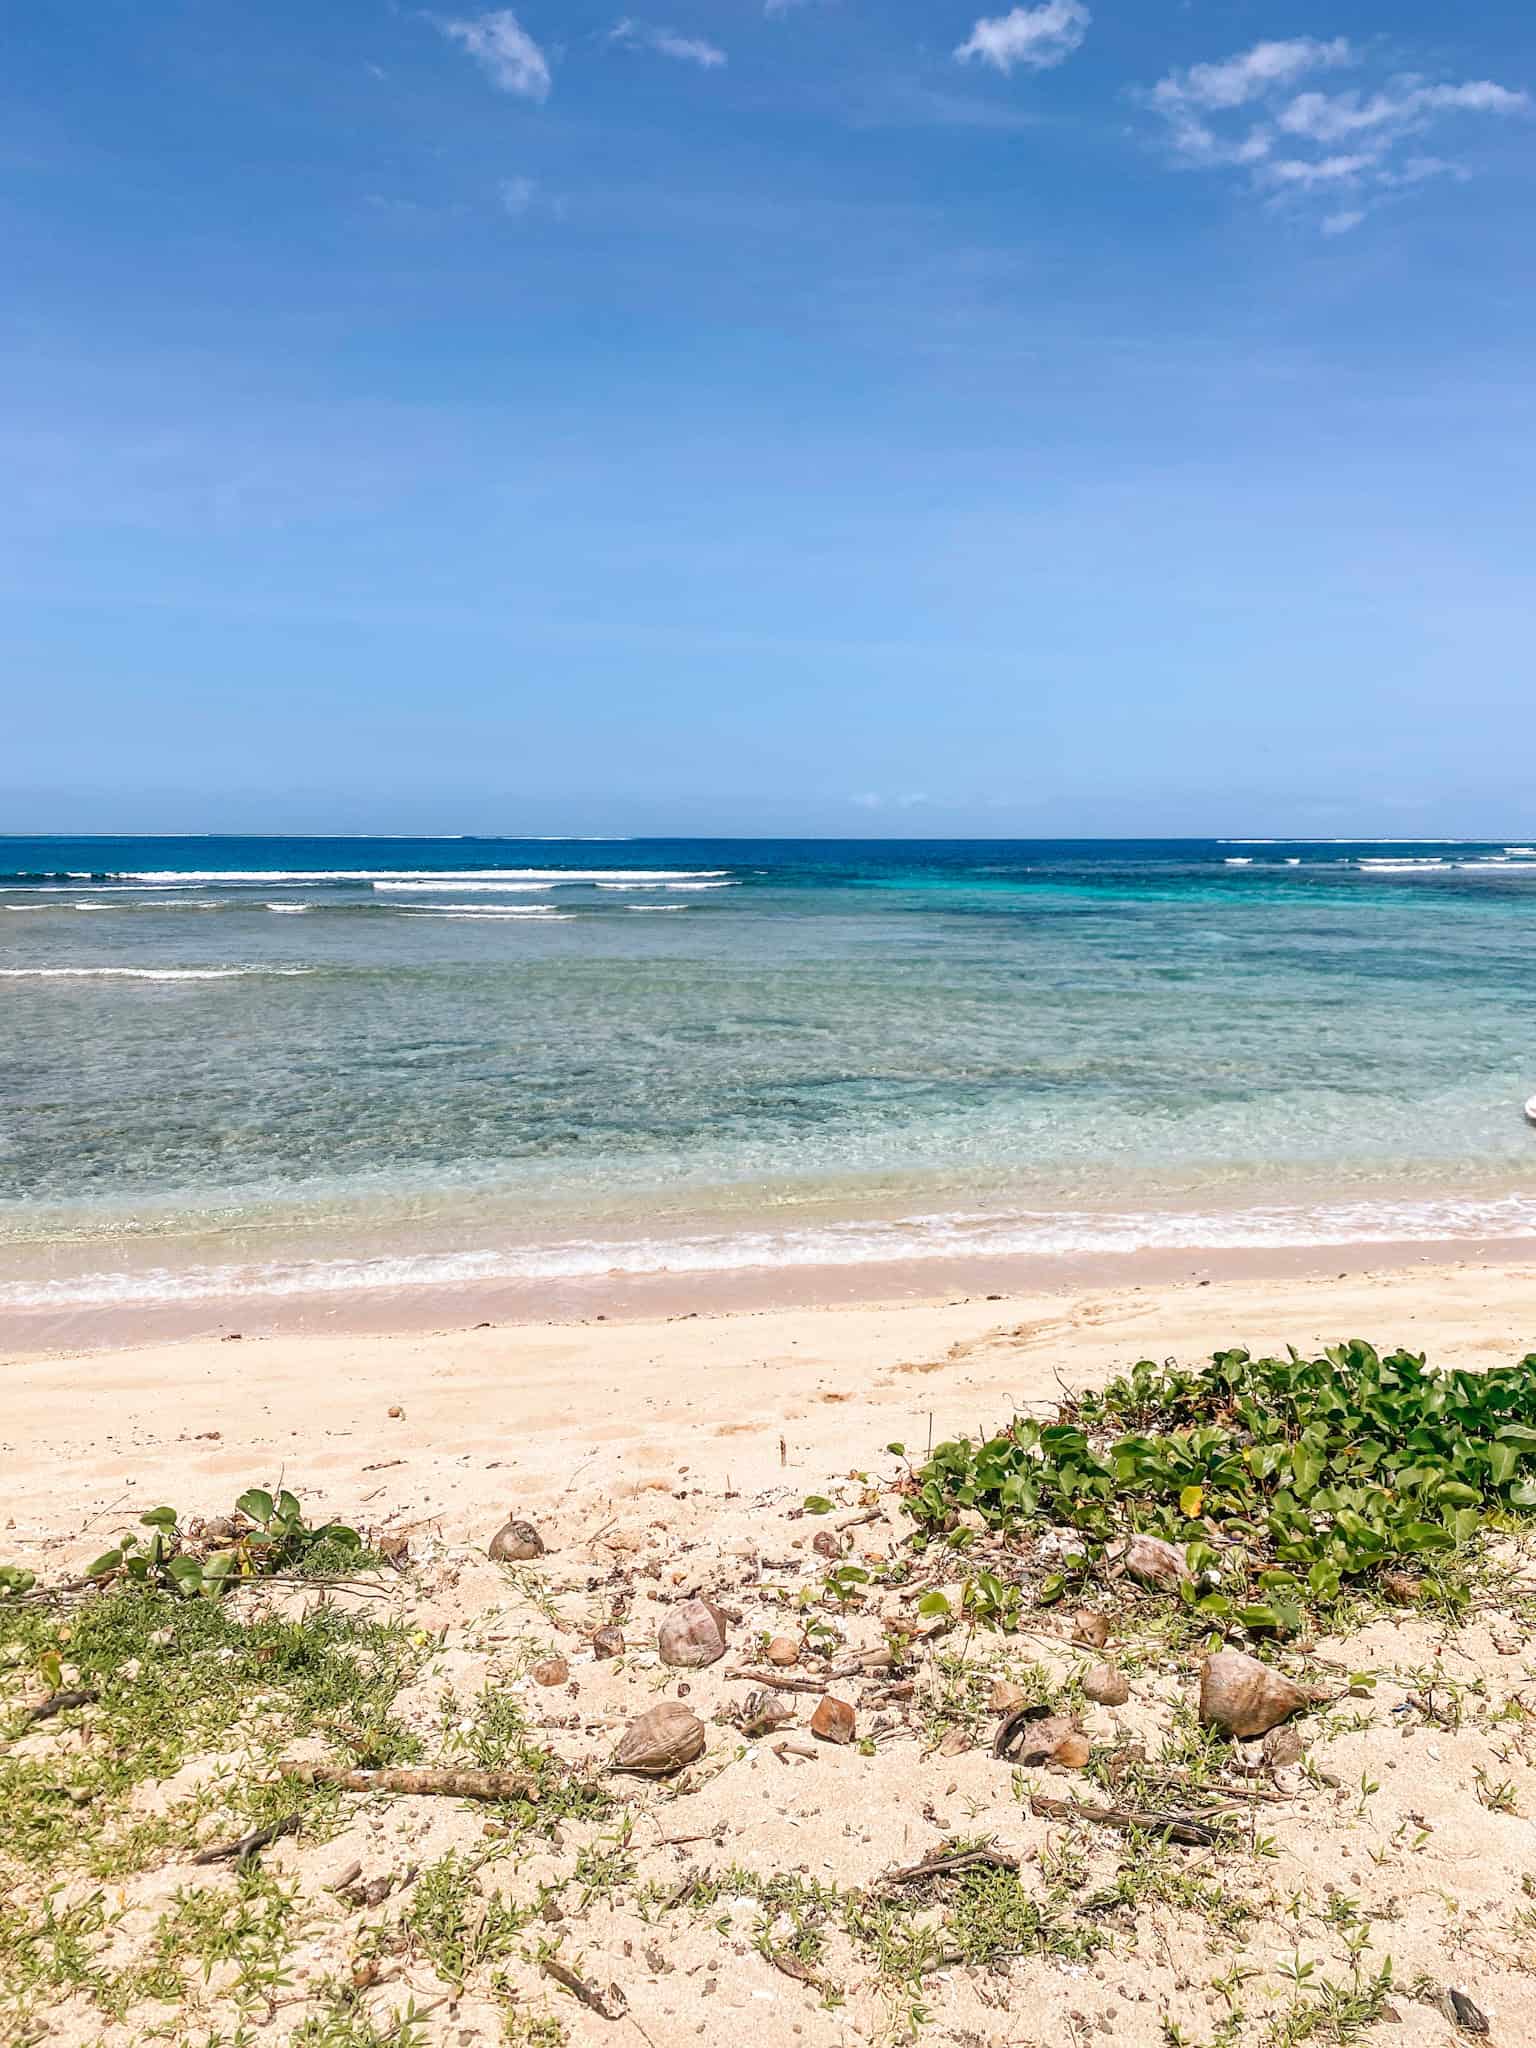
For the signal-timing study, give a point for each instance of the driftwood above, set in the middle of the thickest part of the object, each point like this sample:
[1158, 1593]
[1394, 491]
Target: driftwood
[417, 1784]
[258, 1838]
[613, 2006]
[984, 1858]
[1193, 1832]
[60, 1703]
[778, 1680]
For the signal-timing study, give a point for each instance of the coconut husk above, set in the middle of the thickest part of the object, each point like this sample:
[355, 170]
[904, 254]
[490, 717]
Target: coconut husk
[516, 1542]
[692, 1634]
[1243, 1697]
[660, 1742]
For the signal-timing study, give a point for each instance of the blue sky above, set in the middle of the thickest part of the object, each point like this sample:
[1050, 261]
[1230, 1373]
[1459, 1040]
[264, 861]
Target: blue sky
[1097, 416]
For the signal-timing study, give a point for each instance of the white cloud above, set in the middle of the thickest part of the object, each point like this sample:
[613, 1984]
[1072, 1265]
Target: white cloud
[518, 195]
[1305, 174]
[1041, 37]
[505, 52]
[1406, 103]
[637, 35]
[1249, 76]
[1244, 113]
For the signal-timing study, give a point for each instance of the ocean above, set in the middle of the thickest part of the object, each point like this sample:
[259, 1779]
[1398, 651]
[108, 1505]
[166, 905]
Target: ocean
[268, 1068]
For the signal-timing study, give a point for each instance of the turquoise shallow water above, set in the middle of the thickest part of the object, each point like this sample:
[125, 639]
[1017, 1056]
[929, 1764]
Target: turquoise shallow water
[312, 1065]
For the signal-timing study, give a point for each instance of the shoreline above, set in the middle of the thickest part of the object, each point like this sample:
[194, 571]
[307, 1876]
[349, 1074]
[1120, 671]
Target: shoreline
[620, 1297]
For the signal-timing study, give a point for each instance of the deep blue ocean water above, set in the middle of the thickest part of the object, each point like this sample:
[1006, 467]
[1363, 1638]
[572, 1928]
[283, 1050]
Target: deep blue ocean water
[325, 1063]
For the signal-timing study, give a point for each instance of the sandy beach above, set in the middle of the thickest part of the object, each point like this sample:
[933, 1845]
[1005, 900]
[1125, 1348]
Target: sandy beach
[531, 1413]
[1346, 1889]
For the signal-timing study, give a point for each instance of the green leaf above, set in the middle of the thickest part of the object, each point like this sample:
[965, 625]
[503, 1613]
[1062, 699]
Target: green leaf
[257, 1505]
[50, 1670]
[1050, 1590]
[159, 1518]
[933, 1603]
[109, 1561]
[817, 1504]
[897, 1450]
[288, 1507]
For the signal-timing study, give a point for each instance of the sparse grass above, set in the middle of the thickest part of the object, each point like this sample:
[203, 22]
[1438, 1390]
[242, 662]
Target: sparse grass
[455, 1925]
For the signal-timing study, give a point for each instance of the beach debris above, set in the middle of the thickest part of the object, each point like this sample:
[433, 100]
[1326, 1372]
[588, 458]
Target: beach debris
[1192, 1830]
[761, 1712]
[777, 1680]
[692, 1634]
[1404, 1588]
[1106, 1686]
[396, 1413]
[825, 1544]
[1460, 2009]
[1090, 1628]
[1006, 1697]
[550, 1671]
[952, 1863]
[60, 1703]
[346, 1877]
[608, 1642]
[956, 1742]
[660, 1741]
[608, 2005]
[1282, 1747]
[833, 1720]
[410, 1784]
[248, 1845]
[1241, 1696]
[804, 1750]
[516, 1542]
[1031, 1736]
[1149, 1559]
[783, 1651]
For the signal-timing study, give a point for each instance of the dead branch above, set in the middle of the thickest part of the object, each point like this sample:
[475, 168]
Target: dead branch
[248, 1845]
[1193, 1832]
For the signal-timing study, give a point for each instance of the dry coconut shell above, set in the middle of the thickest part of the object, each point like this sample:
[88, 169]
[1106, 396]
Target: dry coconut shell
[784, 1651]
[515, 1543]
[1029, 1737]
[1243, 1697]
[1149, 1559]
[1105, 1685]
[660, 1742]
[1090, 1629]
[761, 1712]
[692, 1634]
[832, 1720]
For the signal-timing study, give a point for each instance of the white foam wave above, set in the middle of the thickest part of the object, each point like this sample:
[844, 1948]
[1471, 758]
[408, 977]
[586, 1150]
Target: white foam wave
[433, 877]
[449, 882]
[481, 916]
[289, 909]
[142, 973]
[481, 910]
[644, 909]
[1028, 1234]
[628, 887]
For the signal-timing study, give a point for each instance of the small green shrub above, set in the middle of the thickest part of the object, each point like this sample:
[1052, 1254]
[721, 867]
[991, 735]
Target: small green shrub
[1285, 1480]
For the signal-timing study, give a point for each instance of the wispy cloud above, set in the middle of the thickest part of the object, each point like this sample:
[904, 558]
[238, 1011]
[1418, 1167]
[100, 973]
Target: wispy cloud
[504, 50]
[1041, 37]
[639, 35]
[1244, 113]
[518, 195]
[1237, 80]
